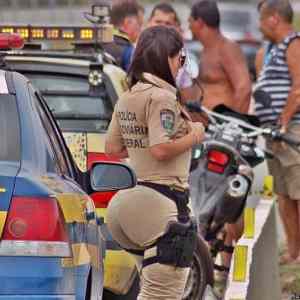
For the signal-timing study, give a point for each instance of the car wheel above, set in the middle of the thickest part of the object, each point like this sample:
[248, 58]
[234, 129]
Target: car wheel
[131, 295]
[201, 273]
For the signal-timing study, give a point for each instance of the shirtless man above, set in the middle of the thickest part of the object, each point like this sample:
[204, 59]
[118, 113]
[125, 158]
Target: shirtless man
[223, 76]
[223, 72]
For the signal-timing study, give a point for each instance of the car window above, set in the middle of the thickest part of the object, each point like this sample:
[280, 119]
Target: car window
[9, 129]
[60, 159]
[48, 82]
[58, 135]
[71, 103]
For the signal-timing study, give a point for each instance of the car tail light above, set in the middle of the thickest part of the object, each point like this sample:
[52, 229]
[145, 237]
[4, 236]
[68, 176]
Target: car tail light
[101, 199]
[11, 41]
[217, 161]
[35, 226]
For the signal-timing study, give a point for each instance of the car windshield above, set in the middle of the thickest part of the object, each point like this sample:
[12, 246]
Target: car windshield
[71, 103]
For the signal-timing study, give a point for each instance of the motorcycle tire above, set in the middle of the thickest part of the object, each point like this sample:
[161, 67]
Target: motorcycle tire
[201, 274]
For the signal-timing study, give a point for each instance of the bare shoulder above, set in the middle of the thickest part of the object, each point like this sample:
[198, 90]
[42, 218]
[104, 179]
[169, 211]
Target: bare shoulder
[231, 49]
[293, 49]
[293, 57]
[259, 59]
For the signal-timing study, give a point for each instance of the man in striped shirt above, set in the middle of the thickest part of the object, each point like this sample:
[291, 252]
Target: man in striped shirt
[277, 103]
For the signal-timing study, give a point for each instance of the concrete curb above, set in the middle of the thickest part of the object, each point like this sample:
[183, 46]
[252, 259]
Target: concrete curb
[254, 272]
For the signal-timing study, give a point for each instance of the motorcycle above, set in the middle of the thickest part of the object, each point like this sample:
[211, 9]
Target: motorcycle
[222, 171]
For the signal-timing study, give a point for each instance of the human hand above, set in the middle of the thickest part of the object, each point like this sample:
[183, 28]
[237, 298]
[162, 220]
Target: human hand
[200, 117]
[197, 131]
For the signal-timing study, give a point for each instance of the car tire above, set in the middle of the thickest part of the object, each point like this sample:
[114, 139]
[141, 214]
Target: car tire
[131, 295]
[201, 274]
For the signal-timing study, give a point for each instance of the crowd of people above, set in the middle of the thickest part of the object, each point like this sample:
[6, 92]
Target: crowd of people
[160, 81]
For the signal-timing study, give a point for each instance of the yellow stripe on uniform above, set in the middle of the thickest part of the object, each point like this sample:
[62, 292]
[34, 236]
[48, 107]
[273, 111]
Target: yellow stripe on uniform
[72, 207]
[95, 142]
[240, 263]
[249, 221]
[2, 220]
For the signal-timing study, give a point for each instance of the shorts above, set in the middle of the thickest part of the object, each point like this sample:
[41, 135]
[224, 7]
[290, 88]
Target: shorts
[285, 166]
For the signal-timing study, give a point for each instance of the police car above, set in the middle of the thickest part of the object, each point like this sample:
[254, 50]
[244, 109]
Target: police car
[50, 246]
[81, 89]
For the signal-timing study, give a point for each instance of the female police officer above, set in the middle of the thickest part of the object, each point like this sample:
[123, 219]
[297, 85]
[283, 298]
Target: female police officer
[153, 130]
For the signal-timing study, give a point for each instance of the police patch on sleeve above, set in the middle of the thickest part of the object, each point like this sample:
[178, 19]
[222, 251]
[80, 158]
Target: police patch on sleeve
[167, 120]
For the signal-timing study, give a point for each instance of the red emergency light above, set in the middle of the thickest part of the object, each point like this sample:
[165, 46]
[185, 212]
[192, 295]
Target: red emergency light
[11, 41]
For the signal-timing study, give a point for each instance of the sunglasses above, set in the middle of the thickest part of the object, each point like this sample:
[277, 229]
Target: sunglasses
[182, 59]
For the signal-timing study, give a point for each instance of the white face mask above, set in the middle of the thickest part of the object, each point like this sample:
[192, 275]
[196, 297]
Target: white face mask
[187, 73]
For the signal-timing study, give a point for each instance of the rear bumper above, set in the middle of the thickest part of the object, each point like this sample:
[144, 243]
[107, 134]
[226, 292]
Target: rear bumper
[35, 297]
[41, 278]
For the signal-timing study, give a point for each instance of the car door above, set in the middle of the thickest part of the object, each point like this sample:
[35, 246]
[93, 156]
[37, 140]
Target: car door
[78, 209]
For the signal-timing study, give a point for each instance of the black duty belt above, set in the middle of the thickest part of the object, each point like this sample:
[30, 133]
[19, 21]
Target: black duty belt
[179, 195]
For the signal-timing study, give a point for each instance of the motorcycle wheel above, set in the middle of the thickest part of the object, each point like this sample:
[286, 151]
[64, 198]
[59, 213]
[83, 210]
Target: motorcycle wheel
[201, 273]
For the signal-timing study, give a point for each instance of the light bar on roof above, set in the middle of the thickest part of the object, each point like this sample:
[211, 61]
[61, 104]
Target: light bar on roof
[23, 32]
[7, 30]
[37, 33]
[68, 34]
[29, 33]
[86, 34]
[52, 34]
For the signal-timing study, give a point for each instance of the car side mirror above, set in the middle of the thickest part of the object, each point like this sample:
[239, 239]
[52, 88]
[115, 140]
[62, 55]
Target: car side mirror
[111, 176]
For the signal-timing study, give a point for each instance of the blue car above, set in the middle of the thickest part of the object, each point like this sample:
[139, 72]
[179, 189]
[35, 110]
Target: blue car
[50, 242]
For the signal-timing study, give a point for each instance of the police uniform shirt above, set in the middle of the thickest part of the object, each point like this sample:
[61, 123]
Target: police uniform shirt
[147, 115]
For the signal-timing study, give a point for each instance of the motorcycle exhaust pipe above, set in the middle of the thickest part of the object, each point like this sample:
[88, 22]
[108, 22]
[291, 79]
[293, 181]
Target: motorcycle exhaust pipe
[231, 206]
[238, 186]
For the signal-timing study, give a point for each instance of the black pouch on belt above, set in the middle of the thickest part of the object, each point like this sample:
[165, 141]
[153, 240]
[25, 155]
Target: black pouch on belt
[177, 245]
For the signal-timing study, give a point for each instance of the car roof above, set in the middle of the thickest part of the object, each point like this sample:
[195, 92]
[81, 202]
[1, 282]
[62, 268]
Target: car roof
[49, 60]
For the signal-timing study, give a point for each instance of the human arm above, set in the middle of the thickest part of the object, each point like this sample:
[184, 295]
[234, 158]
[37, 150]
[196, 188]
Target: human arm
[293, 101]
[166, 151]
[259, 60]
[235, 67]
[163, 118]
[114, 143]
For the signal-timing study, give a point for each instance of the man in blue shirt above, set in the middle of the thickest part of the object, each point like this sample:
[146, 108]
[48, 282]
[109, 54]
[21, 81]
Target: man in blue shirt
[125, 16]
